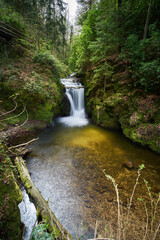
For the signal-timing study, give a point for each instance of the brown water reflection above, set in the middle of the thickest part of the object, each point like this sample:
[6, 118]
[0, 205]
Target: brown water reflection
[67, 167]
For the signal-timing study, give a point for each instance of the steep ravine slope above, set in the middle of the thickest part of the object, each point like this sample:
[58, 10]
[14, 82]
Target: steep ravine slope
[30, 96]
[116, 103]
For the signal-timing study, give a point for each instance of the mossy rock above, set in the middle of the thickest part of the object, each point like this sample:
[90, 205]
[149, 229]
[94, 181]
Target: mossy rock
[135, 119]
[102, 117]
[114, 100]
[145, 134]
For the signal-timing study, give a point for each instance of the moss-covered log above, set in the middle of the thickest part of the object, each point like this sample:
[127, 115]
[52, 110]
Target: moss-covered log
[41, 204]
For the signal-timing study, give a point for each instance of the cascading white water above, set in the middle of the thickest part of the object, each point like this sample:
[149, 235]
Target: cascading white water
[75, 94]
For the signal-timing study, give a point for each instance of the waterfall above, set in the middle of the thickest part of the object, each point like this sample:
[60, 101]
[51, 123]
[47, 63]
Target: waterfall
[75, 94]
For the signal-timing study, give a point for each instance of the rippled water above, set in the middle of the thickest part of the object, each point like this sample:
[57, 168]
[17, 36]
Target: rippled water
[28, 214]
[67, 167]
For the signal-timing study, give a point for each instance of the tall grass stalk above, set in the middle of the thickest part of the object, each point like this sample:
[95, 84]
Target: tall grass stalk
[118, 203]
[154, 217]
[119, 234]
[156, 232]
[152, 203]
[153, 211]
[151, 229]
[131, 198]
[146, 229]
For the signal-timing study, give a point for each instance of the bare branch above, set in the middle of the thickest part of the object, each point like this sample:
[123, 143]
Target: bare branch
[25, 120]
[24, 144]
[13, 116]
[3, 114]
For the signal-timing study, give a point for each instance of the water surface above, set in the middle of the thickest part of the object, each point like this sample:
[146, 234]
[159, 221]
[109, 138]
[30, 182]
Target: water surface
[67, 167]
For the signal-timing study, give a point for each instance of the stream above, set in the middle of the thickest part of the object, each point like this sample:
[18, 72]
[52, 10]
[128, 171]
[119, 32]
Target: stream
[67, 166]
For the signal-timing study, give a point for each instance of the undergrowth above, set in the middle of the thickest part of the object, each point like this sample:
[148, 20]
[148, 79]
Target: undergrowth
[40, 232]
[152, 223]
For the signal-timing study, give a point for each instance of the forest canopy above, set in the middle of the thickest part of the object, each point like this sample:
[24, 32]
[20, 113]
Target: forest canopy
[129, 28]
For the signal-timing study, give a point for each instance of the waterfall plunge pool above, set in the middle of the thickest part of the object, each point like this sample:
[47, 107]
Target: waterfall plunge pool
[67, 166]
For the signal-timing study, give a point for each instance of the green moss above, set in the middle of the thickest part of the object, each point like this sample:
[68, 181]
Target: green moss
[134, 135]
[27, 185]
[10, 196]
[102, 117]
[135, 119]
[107, 120]
[95, 114]
[113, 100]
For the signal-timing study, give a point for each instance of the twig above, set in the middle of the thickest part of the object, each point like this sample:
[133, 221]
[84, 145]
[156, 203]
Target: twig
[95, 232]
[154, 237]
[131, 199]
[156, 204]
[24, 144]
[13, 116]
[25, 120]
[146, 210]
[152, 208]
[3, 114]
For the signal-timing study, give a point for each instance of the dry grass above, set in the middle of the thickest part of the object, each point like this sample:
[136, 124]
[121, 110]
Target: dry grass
[124, 219]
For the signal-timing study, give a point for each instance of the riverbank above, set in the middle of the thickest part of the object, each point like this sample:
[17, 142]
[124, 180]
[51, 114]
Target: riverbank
[117, 103]
[31, 95]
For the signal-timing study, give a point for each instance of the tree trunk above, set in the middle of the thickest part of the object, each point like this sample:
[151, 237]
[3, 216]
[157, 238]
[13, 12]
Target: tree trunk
[147, 20]
[38, 42]
[119, 3]
[41, 204]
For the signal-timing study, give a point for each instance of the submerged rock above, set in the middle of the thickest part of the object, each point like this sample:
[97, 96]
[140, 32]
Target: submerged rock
[129, 165]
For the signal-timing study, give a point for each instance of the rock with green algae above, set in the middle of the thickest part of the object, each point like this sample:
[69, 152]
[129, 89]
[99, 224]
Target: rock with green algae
[10, 197]
[104, 118]
[145, 134]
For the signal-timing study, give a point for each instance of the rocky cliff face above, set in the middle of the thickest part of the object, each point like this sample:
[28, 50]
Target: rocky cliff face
[115, 102]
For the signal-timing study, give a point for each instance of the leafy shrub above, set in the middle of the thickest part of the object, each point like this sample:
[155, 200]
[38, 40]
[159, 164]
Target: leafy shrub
[144, 58]
[14, 19]
[40, 232]
[46, 58]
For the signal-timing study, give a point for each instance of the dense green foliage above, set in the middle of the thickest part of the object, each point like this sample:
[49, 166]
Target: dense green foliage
[46, 58]
[44, 21]
[40, 232]
[144, 58]
[30, 65]
[35, 85]
[117, 27]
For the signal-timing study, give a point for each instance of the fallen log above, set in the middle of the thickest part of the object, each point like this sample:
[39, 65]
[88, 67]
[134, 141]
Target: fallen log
[21, 152]
[43, 209]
